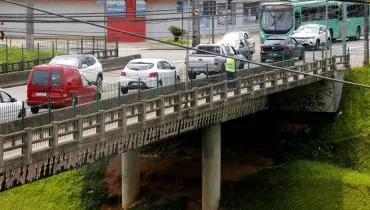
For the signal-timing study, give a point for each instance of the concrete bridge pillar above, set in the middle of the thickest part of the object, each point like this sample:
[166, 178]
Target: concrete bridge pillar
[130, 177]
[211, 167]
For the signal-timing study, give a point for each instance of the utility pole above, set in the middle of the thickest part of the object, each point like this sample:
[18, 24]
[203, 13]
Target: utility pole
[326, 31]
[344, 19]
[196, 23]
[30, 26]
[213, 10]
[227, 16]
[366, 34]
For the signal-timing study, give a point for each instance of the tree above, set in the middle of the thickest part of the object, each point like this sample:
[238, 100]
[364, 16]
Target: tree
[176, 32]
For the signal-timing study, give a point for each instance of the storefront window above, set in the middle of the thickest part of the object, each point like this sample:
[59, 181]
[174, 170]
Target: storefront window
[224, 17]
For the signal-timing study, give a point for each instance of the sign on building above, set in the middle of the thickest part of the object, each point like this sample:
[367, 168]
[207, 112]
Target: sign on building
[140, 8]
[116, 8]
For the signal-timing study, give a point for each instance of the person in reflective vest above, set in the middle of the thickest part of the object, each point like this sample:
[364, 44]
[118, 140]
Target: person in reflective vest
[230, 68]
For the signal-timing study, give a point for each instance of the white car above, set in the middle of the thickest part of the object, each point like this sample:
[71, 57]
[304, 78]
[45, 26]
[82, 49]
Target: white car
[237, 35]
[312, 35]
[10, 108]
[146, 72]
[88, 65]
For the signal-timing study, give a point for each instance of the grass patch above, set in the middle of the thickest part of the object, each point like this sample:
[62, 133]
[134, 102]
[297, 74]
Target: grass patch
[355, 105]
[61, 191]
[300, 185]
[15, 55]
[183, 43]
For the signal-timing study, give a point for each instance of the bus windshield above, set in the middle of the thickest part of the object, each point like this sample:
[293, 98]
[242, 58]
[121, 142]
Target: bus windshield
[277, 20]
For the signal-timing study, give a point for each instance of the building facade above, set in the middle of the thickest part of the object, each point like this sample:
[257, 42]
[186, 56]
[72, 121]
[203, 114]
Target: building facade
[150, 18]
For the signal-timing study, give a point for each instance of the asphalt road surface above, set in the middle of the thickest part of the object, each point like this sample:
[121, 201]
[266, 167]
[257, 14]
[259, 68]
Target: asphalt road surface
[177, 58]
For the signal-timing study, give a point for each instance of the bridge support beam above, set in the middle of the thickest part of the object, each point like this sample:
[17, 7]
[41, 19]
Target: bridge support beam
[130, 177]
[211, 167]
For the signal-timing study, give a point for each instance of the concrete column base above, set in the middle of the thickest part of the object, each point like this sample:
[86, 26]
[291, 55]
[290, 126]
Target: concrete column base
[211, 167]
[130, 177]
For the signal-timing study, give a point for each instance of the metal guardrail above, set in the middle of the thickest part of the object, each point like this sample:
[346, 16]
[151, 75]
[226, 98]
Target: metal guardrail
[98, 47]
[66, 144]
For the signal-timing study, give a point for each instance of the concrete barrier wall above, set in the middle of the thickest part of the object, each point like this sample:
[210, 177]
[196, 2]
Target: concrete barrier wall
[20, 78]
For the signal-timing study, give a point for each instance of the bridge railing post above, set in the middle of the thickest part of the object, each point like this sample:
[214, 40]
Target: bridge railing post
[53, 143]
[101, 119]
[194, 102]
[29, 135]
[160, 112]
[80, 128]
[123, 121]
[210, 97]
[178, 107]
[1, 150]
[142, 113]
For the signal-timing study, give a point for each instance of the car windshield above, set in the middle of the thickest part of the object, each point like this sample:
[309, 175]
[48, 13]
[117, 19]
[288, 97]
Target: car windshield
[140, 65]
[214, 49]
[70, 61]
[274, 42]
[308, 30]
[277, 20]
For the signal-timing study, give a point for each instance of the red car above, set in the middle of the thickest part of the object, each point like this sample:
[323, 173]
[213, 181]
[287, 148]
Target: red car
[57, 82]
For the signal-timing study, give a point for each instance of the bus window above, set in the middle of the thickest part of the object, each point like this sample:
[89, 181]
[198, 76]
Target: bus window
[297, 16]
[279, 20]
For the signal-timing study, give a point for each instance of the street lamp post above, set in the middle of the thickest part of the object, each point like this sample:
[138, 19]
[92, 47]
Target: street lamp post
[326, 31]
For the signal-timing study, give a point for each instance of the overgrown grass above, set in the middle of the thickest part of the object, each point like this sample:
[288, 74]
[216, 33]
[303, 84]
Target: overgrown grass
[300, 185]
[355, 107]
[15, 54]
[61, 191]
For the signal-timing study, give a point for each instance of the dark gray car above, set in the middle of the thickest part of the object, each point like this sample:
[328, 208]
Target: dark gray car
[245, 48]
[281, 48]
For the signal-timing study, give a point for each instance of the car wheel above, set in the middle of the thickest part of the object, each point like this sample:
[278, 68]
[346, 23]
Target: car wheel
[192, 75]
[302, 55]
[124, 90]
[160, 83]
[22, 113]
[99, 83]
[358, 33]
[317, 45]
[178, 78]
[35, 110]
[263, 60]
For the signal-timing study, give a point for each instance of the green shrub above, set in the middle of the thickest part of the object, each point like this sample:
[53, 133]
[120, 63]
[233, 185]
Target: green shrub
[94, 192]
[176, 32]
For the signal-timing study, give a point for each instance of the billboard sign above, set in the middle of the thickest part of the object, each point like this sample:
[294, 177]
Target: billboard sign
[140, 8]
[116, 8]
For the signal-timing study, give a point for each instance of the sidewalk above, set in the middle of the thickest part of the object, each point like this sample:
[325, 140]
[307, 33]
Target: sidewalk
[153, 45]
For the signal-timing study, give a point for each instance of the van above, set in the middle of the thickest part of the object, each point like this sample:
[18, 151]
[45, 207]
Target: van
[57, 84]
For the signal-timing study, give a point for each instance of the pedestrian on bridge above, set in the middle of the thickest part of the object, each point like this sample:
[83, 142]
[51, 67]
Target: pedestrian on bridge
[2, 29]
[230, 71]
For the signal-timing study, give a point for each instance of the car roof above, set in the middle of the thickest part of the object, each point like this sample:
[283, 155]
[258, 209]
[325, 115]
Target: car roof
[72, 56]
[59, 66]
[148, 60]
[312, 25]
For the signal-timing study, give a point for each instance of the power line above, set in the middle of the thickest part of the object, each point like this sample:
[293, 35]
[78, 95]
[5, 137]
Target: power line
[190, 48]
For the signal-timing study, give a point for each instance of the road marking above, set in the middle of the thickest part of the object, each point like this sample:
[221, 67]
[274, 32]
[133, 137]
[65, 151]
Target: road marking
[178, 61]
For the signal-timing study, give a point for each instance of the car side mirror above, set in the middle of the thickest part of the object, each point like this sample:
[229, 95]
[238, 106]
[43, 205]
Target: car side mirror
[173, 67]
[83, 66]
[13, 100]
[93, 83]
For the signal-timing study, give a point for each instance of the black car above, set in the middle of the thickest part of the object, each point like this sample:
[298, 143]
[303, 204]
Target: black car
[281, 48]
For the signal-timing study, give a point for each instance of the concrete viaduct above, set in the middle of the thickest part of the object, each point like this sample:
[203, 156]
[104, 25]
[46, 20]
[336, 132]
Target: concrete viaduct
[39, 151]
